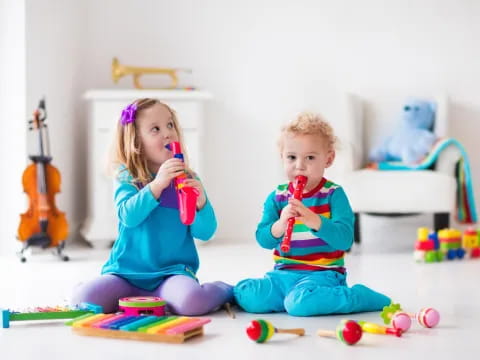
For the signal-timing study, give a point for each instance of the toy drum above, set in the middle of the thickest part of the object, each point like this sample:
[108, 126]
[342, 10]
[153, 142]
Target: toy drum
[139, 305]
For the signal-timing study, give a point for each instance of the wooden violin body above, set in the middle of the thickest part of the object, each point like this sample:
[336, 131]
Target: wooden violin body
[31, 221]
[42, 224]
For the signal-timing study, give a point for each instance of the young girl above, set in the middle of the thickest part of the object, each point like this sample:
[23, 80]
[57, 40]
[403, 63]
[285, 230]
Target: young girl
[310, 279]
[154, 253]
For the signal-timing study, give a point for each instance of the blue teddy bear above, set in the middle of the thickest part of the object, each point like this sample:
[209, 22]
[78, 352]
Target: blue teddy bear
[414, 138]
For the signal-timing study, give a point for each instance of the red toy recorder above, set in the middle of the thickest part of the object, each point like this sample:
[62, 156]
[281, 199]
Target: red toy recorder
[187, 195]
[299, 185]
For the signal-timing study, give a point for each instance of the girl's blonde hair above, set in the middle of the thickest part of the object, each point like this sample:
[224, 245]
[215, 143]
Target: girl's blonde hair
[128, 151]
[308, 123]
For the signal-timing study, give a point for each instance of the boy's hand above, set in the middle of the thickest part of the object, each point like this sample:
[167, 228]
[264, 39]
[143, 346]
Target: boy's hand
[278, 228]
[305, 215]
[202, 199]
[287, 213]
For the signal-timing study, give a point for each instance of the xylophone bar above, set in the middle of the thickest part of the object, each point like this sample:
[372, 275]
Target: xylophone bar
[171, 329]
[48, 313]
[135, 335]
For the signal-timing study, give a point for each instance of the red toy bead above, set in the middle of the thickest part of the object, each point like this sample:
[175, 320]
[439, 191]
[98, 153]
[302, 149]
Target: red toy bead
[254, 330]
[351, 332]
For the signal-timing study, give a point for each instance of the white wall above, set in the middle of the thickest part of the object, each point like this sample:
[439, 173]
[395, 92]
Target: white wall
[12, 119]
[55, 44]
[264, 61]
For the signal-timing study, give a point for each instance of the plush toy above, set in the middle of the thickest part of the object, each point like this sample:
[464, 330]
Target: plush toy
[413, 139]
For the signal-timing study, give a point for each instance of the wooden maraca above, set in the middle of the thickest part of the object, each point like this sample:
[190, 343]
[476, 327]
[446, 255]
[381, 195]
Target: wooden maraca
[427, 317]
[393, 314]
[261, 330]
[347, 331]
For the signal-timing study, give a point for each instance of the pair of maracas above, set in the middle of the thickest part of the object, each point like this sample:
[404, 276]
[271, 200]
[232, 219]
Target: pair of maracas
[395, 316]
[348, 331]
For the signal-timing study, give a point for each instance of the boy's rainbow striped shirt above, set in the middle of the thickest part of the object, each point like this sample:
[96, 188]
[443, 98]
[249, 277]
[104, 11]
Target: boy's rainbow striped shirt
[308, 252]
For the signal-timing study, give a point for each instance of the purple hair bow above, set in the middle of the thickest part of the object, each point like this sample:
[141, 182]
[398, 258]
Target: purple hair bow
[128, 114]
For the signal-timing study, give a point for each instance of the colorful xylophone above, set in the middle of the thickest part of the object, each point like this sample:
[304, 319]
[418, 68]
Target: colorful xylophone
[47, 313]
[171, 329]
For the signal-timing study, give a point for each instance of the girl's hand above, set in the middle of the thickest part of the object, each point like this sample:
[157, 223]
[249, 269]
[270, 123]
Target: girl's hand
[202, 199]
[305, 215]
[168, 171]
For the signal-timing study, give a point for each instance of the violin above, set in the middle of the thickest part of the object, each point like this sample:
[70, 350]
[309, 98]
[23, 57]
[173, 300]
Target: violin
[42, 224]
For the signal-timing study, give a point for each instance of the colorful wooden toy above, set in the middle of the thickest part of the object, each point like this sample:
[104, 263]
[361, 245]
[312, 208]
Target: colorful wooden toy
[401, 320]
[393, 315]
[48, 313]
[260, 330]
[347, 331]
[471, 243]
[139, 305]
[446, 244]
[451, 243]
[373, 328]
[427, 248]
[170, 329]
[426, 317]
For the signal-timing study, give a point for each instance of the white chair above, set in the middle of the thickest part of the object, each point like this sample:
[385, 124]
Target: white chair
[362, 123]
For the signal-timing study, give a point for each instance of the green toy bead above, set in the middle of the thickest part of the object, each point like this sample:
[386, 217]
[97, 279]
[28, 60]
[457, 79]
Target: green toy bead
[431, 256]
[439, 256]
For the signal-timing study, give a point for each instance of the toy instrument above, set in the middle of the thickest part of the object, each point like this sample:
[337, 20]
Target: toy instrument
[347, 331]
[261, 331]
[372, 328]
[187, 195]
[42, 224]
[170, 329]
[299, 185]
[47, 313]
[426, 317]
[139, 305]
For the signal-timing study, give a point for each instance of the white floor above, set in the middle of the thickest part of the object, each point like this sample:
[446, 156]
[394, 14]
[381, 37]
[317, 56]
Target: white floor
[383, 262]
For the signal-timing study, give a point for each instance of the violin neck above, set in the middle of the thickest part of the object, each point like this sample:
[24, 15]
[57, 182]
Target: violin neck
[40, 141]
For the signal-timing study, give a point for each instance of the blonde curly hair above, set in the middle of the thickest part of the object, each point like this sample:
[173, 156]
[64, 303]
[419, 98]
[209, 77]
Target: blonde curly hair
[308, 123]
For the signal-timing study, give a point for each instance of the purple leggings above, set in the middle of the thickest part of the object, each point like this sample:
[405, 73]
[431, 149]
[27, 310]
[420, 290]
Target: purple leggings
[183, 294]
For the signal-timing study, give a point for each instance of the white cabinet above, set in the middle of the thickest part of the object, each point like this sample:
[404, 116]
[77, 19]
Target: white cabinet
[105, 106]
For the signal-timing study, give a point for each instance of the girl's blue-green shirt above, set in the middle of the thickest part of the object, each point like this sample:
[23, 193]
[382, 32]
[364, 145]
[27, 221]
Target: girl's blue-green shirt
[152, 242]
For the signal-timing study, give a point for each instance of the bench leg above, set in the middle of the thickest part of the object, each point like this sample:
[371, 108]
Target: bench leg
[441, 221]
[356, 231]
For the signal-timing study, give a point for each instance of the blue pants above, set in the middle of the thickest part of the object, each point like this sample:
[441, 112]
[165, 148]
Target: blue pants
[305, 293]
